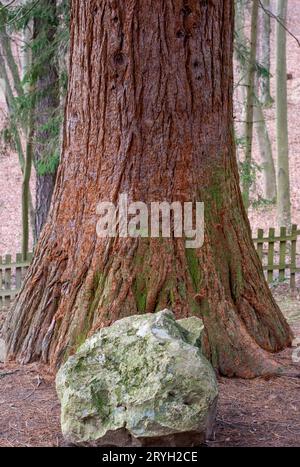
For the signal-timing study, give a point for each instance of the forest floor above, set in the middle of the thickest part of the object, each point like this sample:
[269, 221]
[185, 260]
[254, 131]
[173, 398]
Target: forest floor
[263, 412]
[260, 412]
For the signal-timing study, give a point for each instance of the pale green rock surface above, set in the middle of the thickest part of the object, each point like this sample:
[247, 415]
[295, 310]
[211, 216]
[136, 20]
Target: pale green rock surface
[138, 382]
[194, 327]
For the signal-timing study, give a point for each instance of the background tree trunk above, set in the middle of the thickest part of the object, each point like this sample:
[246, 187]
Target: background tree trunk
[148, 113]
[265, 54]
[13, 83]
[29, 128]
[265, 149]
[240, 49]
[46, 109]
[250, 100]
[26, 187]
[283, 171]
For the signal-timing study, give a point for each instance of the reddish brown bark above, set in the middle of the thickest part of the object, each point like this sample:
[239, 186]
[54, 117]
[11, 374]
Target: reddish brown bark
[149, 113]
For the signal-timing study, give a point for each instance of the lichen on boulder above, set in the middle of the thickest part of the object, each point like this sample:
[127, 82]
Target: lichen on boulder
[194, 328]
[138, 382]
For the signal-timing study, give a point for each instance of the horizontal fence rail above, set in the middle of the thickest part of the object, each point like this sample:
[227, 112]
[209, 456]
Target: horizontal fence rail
[278, 254]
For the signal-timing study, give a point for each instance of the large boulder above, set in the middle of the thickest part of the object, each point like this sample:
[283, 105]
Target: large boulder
[139, 382]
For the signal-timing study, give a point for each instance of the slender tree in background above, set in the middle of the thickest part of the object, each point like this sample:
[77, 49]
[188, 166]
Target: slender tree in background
[149, 113]
[47, 111]
[26, 186]
[26, 65]
[266, 153]
[14, 91]
[265, 53]
[283, 175]
[240, 49]
[242, 57]
[40, 89]
[250, 100]
[264, 99]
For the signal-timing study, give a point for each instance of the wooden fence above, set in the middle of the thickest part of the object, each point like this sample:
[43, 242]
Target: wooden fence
[278, 254]
[11, 277]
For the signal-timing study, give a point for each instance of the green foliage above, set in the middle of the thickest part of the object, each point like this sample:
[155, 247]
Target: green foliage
[242, 53]
[240, 142]
[7, 138]
[248, 171]
[51, 146]
[263, 203]
[49, 45]
[49, 164]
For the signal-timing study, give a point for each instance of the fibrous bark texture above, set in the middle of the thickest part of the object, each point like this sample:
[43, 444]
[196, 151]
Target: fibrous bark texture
[148, 113]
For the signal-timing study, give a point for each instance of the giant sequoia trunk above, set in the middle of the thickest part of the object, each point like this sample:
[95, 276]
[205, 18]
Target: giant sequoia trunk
[149, 113]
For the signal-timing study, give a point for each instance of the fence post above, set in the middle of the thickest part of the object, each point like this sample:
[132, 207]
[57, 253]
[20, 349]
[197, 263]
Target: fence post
[19, 277]
[260, 243]
[7, 278]
[271, 242]
[282, 253]
[293, 257]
